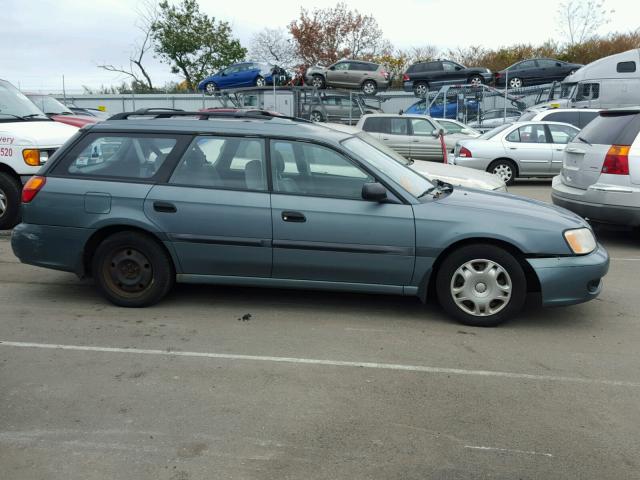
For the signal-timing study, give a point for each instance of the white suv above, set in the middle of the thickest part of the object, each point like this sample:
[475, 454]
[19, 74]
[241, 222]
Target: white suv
[600, 177]
[27, 139]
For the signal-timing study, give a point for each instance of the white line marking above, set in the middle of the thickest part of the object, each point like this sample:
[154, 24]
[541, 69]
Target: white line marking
[367, 330]
[619, 259]
[333, 363]
[508, 450]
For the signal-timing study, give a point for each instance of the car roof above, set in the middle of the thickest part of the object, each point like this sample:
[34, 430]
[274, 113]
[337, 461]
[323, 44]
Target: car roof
[273, 126]
[634, 109]
[551, 110]
[542, 122]
[397, 115]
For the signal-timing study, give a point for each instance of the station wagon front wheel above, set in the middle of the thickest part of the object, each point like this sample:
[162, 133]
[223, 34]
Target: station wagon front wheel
[132, 270]
[481, 285]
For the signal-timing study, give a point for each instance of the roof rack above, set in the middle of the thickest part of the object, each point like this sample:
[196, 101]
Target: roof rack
[171, 112]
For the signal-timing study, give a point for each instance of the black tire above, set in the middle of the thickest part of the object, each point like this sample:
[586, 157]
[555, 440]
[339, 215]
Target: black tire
[316, 116]
[420, 89]
[132, 270]
[501, 167]
[10, 190]
[369, 87]
[448, 276]
[318, 81]
[476, 80]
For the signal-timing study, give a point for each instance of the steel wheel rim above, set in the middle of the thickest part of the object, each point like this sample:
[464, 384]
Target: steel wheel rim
[504, 171]
[3, 203]
[515, 83]
[128, 272]
[421, 90]
[260, 82]
[476, 81]
[481, 287]
[210, 88]
[316, 117]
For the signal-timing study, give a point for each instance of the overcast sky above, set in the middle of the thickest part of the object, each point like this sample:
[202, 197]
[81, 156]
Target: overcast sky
[41, 40]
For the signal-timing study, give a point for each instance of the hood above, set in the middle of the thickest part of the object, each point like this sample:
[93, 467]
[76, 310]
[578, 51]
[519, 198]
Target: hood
[75, 120]
[459, 176]
[532, 226]
[45, 133]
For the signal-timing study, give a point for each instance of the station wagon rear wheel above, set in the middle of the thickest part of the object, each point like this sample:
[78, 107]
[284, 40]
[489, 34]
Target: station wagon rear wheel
[9, 201]
[505, 169]
[132, 270]
[481, 285]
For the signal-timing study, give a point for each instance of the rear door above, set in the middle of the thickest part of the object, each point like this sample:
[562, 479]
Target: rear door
[322, 228]
[397, 135]
[216, 208]
[528, 146]
[424, 146]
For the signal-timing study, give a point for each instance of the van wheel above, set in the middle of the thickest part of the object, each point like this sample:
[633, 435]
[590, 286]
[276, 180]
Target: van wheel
[420, 89]
[481, 285]
[10, 190]
[132, 270]
[505, 169]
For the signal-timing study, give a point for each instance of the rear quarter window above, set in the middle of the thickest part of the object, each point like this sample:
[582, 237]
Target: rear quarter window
[376, 124]
[612, 129]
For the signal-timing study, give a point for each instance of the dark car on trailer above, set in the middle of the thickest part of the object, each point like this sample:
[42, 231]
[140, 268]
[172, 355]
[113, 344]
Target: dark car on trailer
[424, 76]
[535, 71]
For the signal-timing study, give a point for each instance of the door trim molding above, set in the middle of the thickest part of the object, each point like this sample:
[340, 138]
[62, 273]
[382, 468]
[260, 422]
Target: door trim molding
[212, 240]
[344, 247]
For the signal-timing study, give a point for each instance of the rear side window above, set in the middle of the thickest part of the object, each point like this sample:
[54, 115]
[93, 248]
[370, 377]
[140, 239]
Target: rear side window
[626, 67]
[375, 124]
[229, 163]
[126, 157]
[533, 133]
[612, 129]
[564, 117]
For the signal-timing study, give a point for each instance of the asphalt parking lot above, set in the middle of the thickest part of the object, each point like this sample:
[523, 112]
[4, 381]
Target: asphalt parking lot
[237, 383]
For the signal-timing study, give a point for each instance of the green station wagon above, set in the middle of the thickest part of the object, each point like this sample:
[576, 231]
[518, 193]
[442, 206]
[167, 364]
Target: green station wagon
[149, 198]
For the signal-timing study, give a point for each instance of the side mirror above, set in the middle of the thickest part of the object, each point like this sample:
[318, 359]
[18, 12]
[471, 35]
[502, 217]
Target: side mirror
[458, 68]
[332, 67]
[375, 192]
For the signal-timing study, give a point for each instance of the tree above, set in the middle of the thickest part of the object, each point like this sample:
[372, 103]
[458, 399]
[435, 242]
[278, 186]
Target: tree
[327, 35]
[273, 45]
[579, 20]
[147, 15]
[193, 43]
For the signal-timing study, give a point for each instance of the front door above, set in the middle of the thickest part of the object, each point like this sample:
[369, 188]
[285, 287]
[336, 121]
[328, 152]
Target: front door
[424, 146]
[216, 209]
[322, 228]
[338, 74]
[529, 147]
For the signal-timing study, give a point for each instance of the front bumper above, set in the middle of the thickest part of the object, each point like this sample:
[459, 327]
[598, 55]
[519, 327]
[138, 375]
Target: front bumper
[571, 280]
[602, 203]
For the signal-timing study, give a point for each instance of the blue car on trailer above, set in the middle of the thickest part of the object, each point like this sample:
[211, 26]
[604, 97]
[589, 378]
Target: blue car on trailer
[238, 75]
[439, 110]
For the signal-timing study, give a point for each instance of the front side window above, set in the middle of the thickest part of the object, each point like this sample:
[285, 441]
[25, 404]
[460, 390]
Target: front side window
[451, 127]
[547, 64]
[422, 127]
[448, 66]
[127, 157]
[302, 168]
[588, 91]
[562, 134]
[342, 66]
[230, 163]
[398, 126]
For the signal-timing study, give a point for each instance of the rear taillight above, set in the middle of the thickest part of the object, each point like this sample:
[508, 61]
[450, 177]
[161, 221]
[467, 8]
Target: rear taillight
[32, 187]
[498, 74]
[464, 152]
[617, 160]
[385, 74]
[405, 78]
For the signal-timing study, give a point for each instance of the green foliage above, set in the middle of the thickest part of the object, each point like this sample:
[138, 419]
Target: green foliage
[193, 43]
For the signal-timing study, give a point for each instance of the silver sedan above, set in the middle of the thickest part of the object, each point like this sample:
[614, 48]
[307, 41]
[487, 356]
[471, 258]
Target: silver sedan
[520, 149]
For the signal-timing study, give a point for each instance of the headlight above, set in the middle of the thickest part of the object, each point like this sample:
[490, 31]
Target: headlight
[581, 240]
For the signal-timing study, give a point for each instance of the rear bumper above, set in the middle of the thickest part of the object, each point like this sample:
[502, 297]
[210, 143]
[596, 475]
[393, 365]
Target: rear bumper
[408, 86]
[59, 248]
[470, 162]
[599, 203]
[571, 280]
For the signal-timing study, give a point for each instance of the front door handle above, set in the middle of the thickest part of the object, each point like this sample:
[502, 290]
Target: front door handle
[164, 207]
[293, 217]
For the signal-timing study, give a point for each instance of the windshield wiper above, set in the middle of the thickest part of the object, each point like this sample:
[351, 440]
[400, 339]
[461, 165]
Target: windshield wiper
[584, 141]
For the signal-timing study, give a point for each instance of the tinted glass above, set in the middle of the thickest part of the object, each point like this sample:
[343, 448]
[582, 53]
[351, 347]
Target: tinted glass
[122, 157]
[398, 126]
[547, 64]
[586, 118]
[564, 117]
[524, 65]
[422, 127]
[449, 67]
[223, 162]
[307, 169]
[532, 133]
[357, 66]
[626, 67]
[612, 129]
[376, 124]
[342, 66]
[562, 133]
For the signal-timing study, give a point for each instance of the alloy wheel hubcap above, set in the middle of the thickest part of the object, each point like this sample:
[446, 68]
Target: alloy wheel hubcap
[260, 82]
[369, 88]
[515, 83]
[316, 82]
[475, 81]
[316, 117]
[481, 287]
[3, 203]
[129, 271]
[421, 90]
[503, 171]
[211, 87]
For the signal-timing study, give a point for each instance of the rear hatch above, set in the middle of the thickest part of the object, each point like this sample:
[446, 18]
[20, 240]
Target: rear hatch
[585, 155]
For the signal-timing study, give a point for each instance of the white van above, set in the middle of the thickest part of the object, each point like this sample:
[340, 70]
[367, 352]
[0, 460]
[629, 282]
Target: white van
[27, 139]
[609, 82]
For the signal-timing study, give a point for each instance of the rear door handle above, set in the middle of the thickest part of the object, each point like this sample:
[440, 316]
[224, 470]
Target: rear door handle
[164, 207]
[294, 217]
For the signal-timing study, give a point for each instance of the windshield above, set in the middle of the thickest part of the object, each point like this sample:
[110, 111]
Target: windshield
[494, 132]
[14, 104]
[49, 105]
[566, 90]
[527, 116]
[388, 162]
